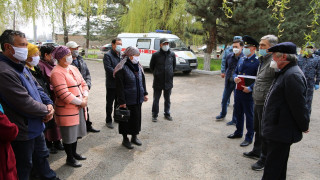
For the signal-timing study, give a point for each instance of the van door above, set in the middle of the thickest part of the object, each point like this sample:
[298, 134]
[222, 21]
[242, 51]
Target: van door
[144, 46]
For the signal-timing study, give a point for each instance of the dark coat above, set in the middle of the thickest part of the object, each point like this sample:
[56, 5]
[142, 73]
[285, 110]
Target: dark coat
[110, 61]
[8, 132]
[83, 68]
[162, 64]
[285, 115]
[230, 66]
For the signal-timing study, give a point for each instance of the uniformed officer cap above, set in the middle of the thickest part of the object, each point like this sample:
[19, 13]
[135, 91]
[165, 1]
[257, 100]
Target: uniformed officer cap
[249, 41]
[164, 40]
[237, 37]
[285, 47]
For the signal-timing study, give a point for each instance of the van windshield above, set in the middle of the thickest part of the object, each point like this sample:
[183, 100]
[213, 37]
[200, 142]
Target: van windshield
[177, 44]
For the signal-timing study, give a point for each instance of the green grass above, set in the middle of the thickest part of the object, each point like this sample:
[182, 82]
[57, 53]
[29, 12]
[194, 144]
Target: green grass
[93, 56]
[215, 64]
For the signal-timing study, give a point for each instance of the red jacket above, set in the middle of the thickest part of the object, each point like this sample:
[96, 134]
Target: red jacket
[8, 132]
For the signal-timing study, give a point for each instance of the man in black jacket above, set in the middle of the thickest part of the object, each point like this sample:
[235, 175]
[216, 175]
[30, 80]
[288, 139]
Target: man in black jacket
[83, 68]
[162, 64]
[110, 61]
[285, 115]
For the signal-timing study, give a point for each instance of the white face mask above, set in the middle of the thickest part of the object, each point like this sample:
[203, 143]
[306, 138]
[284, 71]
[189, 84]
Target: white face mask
[35, 61]
[118, 48]
[135, 59]
[236, 50]
[69, 60]
[274, 64]
[75, 53]
[20, 54]
[165, 47]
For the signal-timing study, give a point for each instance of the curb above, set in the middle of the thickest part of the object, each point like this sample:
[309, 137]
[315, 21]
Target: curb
[195, 70]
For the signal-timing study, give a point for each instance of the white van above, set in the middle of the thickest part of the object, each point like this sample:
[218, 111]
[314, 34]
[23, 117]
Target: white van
[149, 43]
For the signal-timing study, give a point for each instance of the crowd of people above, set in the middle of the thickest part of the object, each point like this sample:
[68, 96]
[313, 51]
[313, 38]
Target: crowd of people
[44, 94]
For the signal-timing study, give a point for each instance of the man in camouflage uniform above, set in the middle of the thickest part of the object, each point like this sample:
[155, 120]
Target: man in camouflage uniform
[309, 63]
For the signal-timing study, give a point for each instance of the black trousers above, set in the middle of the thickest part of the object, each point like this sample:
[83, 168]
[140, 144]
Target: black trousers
[156, 97]
[259, 146]
[111, 104]
[277, 159]
[133, 126]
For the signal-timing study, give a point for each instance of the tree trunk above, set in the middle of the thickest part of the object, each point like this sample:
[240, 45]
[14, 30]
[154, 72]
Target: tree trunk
[211, 44]
[65, 29]
[88, 31]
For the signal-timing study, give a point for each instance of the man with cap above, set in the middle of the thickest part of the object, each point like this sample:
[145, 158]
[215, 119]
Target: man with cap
[162, 64]
[26, 105]
[83, 68]
[230, 65]
[247, 66]
[309, 63]
[261, 88]
[285, 116]
[110, 60]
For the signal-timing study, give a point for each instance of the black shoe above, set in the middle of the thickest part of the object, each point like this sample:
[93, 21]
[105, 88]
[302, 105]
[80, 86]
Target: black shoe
[251, 155]
[136, 141]
[91, 129]
[230, 123]
[79, 157]
[154, 119]
[168, 117]
[220, 118]
[245, 143]
[234, 136]
[73, 163]
[110, 125]
[126, 143]
[258, 166]
[53, 150]
[58, 145]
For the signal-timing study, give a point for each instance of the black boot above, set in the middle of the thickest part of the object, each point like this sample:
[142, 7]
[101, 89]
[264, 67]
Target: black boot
[51, 147]
[71, 161]
[58, 145]
[75, 154]
[126, 143]
[135, 140]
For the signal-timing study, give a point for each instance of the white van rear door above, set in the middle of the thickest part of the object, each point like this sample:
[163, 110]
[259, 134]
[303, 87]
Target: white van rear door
[144, 46]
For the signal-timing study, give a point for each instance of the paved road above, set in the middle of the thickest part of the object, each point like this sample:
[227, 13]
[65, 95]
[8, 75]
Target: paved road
[193, 146]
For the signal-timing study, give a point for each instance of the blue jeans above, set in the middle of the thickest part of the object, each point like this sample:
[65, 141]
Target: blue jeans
[32, 152]
[156, 97]
[229, 87]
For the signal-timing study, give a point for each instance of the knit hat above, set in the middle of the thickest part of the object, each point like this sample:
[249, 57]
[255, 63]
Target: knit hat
[60, 51]
[32, 49]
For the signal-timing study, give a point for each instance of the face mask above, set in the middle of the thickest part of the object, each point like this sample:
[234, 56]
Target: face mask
[236, 50]
[263, 52]
[135, 59]
[20, 53]
[35, 61]
[118, 48]
[75, 53]
[274, 64]
[246, 51]
[165, 47]
[69, 60]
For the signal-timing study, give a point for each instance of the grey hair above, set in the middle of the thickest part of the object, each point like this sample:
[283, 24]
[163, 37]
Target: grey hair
[290, 57]
[272, 39]
[8, 37]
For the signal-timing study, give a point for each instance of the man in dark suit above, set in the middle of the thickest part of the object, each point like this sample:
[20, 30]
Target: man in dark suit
[285, 115]
[110, 61]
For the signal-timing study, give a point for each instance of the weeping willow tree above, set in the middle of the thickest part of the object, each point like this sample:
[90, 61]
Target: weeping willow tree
[149, 15]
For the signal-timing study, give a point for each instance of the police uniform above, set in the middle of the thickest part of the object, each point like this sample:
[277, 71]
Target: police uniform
[243, 101]
[311, 70]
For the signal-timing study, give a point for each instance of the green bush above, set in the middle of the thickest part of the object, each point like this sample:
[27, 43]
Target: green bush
[215, 64]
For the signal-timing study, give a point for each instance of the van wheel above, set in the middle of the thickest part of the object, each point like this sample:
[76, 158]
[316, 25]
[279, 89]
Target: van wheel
[186, 72]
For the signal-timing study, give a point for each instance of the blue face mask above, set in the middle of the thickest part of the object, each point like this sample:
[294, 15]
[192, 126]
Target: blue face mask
[263, 52]
[246, 51]
[118, 48]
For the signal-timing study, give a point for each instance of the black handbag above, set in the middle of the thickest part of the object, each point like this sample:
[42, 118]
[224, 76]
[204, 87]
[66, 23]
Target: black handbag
[121, 114]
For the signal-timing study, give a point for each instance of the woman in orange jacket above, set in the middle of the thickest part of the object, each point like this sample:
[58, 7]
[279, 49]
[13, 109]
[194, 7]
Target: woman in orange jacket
[71, 93]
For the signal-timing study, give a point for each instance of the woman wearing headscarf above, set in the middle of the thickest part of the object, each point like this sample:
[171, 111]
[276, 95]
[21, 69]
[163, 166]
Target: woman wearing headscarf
[34, 65]
[71, 92]
[46, 64]
[131, 92]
